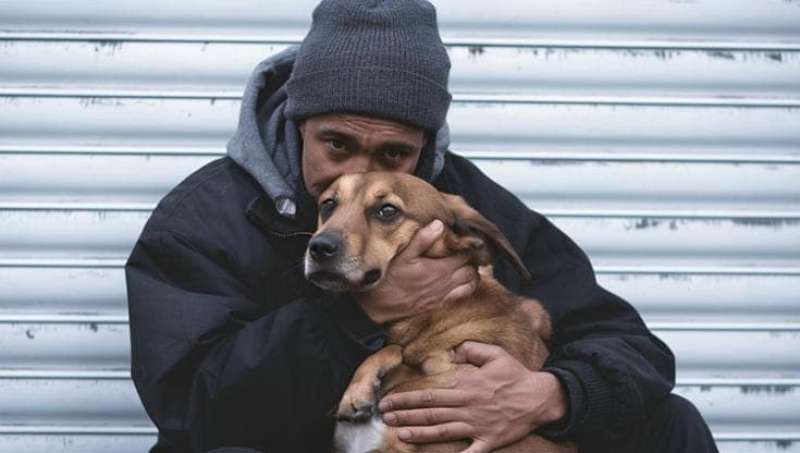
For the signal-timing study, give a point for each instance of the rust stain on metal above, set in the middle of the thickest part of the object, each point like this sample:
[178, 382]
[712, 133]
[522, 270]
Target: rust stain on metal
[109, 45]
[644, 223]
[722, 54]
[766, 389]
[775, 56]
[766, 222]
[476, 51]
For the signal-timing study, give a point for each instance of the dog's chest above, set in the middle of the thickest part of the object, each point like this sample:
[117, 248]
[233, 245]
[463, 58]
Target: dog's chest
[363, 437]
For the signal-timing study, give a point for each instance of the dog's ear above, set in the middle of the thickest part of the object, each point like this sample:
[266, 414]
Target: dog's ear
[473, 231]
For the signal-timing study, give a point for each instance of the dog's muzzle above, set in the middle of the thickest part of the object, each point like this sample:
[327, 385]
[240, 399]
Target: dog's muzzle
[327, 267]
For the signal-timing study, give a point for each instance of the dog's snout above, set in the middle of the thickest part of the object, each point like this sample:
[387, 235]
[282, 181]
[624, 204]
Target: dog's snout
[325, 246]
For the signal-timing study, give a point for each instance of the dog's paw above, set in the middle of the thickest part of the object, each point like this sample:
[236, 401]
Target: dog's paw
[359, 402]
[356, 412]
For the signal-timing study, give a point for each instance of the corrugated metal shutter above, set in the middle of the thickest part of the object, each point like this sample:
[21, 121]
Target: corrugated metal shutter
[663, 136]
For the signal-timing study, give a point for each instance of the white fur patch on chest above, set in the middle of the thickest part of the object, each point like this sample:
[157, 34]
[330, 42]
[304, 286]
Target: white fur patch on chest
[365, 437]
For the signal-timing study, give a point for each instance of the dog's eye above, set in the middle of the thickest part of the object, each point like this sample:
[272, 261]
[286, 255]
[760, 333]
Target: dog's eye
[387, 212]
[327, 207]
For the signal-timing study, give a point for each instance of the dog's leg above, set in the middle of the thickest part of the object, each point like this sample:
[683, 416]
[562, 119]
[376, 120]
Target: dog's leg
[360, 398]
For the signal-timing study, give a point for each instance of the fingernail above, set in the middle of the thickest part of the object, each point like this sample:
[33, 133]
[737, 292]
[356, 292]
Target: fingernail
[390, 419]
[384, 406]
[437, 226]
[404, 434]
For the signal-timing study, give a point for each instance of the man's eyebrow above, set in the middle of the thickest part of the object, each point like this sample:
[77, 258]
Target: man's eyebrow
[330, 130]
[399, 146]
[345, 136]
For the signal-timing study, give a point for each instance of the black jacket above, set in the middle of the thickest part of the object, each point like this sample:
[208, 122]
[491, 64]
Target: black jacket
[231, 346]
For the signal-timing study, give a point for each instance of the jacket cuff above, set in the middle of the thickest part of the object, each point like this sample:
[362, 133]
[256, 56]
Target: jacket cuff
[357, 325]
[590, 400]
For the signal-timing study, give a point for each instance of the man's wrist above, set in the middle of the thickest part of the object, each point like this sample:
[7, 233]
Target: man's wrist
[556, 402]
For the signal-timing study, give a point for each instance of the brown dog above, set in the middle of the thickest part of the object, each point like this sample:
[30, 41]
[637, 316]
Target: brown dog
[367, 219]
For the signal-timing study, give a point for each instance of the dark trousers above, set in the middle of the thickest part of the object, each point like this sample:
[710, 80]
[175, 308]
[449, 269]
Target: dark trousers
[675, 426]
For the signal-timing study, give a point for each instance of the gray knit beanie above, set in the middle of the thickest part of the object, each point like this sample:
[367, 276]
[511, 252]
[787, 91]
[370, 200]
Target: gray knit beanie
[377, 57]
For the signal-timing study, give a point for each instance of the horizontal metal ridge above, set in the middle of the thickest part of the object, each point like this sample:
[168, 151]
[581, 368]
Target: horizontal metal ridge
[692, 270]
[725, 326]
[737, 382]
[774, 158]
[555, 213]
[91, 374]
[74, 206]
[62, 262]
[638, 270]
[137, 150]
[53, 318]
[448, 41]
[631, 157]
[757, 436]
[81, 430]
[457, 97]
[47, 318]
[670, 214]
[65, 374]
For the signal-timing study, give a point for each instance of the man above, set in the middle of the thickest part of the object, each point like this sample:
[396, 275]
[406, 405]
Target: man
[231, 347]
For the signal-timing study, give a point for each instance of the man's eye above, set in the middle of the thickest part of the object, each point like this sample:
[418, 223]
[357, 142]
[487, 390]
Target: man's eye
[394, 155]
[337, 144]
[387, 212]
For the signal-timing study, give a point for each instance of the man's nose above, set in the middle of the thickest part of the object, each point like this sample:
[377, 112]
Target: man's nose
[361, 163]
[325, 246]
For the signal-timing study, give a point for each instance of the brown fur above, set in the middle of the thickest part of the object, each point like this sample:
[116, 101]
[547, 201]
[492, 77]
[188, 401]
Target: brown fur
[420, 353]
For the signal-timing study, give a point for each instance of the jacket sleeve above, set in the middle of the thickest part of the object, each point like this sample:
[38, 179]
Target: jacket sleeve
[613, 368]
[214, 367]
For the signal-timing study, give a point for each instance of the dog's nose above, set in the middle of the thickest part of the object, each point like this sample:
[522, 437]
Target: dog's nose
[324, 246]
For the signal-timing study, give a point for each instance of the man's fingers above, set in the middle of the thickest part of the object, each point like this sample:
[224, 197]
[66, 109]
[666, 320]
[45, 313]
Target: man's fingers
[423, 417]
[416, 399]
[464, 275]
[437, 433]
[462, 283]
[452, 263]
[461, 291]
[423, 239]
[478, 446]
[476, 353]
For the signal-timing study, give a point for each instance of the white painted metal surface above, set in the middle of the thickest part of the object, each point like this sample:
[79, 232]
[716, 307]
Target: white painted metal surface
[663, 136]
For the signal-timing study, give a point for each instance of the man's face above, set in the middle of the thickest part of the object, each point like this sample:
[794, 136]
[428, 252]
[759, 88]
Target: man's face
[339, 143]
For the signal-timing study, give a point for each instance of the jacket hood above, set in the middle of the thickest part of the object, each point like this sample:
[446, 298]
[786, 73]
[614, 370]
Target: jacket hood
[268, 145]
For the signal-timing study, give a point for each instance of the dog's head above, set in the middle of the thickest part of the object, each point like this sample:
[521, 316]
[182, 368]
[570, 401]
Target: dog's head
[367, 219]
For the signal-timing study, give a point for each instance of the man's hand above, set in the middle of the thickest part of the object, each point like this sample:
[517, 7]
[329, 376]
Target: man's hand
[414, 284]
[495, 404]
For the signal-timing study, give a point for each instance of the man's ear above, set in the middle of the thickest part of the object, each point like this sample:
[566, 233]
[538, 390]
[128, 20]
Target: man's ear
[472, 231]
